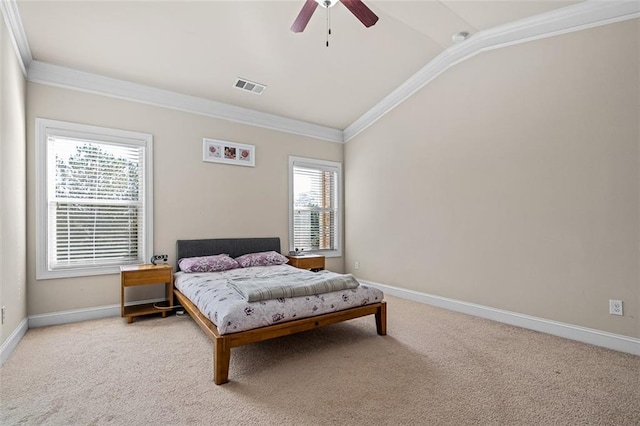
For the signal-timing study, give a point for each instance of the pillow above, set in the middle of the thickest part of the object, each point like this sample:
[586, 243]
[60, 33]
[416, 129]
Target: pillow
[265, 258]
[219, 262]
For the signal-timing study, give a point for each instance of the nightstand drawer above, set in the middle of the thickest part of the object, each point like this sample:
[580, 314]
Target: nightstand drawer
[313, 262]
[143, 277]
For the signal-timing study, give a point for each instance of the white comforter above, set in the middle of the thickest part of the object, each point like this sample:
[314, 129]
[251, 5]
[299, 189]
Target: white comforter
[231, 313]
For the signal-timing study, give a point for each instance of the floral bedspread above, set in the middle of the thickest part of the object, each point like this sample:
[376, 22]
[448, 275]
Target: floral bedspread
[231, 313]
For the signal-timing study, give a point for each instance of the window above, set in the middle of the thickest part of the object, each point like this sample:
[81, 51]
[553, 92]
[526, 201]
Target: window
[94, 199]
[315, 203]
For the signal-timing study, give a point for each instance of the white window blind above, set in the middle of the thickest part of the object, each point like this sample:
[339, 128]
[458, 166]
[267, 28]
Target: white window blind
[315, 215]
[97, 202]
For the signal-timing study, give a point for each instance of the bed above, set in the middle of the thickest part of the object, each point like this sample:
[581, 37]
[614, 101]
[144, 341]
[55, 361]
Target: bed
[329, 308]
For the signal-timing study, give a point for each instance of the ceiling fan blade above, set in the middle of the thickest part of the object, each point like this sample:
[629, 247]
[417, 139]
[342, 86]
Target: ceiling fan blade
[303, 17]
[361, 11]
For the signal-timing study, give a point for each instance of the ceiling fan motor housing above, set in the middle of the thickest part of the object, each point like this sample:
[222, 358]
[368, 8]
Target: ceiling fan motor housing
[327, 3]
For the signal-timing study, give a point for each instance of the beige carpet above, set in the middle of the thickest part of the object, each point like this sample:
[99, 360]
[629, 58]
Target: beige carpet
[434, 367]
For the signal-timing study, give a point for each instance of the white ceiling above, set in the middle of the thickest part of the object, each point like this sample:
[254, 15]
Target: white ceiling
[199, 48]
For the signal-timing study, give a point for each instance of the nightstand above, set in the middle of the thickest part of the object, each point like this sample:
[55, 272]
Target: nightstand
[132, 275]
[313, 262]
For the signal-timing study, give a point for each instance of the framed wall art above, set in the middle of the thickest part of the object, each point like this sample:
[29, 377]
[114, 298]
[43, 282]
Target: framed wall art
[237, 154]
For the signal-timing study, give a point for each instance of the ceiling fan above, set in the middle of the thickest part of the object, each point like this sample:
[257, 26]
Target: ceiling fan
[359, 9]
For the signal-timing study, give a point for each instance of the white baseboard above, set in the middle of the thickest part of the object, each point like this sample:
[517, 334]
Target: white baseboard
[604, 339]
[10, 344]
[77, 315]
[569, 331]
[58, 318]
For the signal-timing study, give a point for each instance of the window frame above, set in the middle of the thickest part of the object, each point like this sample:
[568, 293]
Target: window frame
[319, 164]
[56, 128]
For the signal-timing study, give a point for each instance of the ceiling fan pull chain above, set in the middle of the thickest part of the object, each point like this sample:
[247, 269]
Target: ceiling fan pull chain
[328, 22]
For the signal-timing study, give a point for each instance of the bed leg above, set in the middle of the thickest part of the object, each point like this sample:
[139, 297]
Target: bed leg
[221, 358]
[381, 319]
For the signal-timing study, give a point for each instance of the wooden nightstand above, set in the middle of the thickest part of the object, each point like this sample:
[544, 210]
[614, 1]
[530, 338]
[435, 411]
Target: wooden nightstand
[313, 262]
[132, 275]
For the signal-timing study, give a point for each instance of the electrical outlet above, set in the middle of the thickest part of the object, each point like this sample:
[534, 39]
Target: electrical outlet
[357, 265]
[615, 307]
[3, 308]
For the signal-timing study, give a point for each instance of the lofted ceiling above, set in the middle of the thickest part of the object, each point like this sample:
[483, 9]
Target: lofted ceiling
[199, 48]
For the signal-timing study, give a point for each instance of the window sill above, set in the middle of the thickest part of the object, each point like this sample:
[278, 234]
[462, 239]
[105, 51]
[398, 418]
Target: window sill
[79, 272]
[326, 254]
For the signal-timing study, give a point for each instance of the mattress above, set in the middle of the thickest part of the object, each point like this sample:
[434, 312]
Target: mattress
[231, 313]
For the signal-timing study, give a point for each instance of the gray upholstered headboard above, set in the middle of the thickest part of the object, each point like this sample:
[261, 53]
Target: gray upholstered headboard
[234, 247]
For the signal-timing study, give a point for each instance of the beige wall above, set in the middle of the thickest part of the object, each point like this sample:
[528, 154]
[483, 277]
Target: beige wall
[511, 181]
[192, 199]
[12, 188]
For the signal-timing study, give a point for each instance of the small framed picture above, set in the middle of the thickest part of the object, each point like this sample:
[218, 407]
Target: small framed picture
[239, 154]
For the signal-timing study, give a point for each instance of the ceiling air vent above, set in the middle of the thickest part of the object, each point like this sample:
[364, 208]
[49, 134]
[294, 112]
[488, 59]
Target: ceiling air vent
[249, 86]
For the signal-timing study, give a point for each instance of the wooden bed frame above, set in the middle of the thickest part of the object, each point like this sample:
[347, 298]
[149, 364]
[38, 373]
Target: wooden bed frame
[222, 344]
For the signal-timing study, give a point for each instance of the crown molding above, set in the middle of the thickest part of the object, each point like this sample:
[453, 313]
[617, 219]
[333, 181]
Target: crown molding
[54, 75]
[44, 73]
[588, 14]
[12, 19]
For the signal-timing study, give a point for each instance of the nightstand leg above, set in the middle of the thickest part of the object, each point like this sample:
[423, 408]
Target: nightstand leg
[129, 320]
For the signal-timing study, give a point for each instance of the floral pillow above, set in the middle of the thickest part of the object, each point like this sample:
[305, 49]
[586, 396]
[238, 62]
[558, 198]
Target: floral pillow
[265, 258]
[219, 262]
